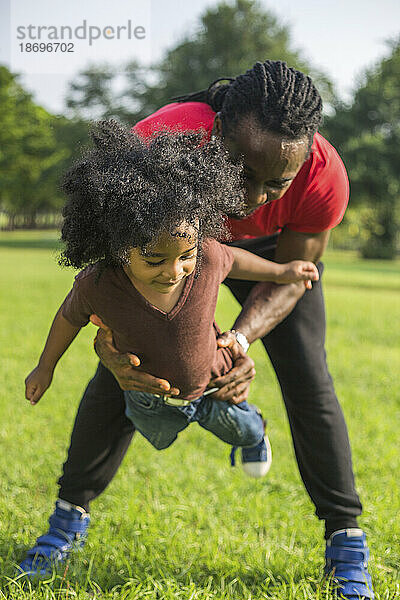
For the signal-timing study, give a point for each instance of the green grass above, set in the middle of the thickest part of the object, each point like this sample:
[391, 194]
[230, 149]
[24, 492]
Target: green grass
[180, 524]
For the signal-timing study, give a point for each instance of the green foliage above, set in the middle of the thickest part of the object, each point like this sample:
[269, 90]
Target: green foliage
[367, 135]
[365, 227]
[28, 150]
[35, 147]
[71, 136]
[229, 39]
[92, 90]
[181, 523]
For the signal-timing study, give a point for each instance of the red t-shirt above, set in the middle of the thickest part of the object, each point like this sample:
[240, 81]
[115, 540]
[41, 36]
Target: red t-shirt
[315, 201]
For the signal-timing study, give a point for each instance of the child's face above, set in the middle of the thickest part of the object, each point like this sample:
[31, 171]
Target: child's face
[163, 265]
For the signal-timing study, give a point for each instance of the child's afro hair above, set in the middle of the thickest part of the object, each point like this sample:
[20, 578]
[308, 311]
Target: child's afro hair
[126, 191]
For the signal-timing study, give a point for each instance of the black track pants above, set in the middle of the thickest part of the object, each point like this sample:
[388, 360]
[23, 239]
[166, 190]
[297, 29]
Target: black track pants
[99, 440]
[297, 353]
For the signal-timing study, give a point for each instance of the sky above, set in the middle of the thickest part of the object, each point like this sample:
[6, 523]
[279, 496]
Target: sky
[340, 37]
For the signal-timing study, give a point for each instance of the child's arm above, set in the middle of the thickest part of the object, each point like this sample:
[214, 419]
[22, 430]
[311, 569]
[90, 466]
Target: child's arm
[60, 336]
[251, 267]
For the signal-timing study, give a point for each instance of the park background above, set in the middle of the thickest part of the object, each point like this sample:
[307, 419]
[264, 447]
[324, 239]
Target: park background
[180, 524]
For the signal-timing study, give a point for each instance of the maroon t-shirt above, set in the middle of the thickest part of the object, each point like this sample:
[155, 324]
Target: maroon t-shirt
[180, 345]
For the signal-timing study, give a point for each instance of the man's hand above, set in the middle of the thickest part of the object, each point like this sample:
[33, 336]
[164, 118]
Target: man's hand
[234, 386]
[124, 366]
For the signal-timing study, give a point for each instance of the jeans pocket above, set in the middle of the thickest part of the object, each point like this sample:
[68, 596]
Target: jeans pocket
[141, 399]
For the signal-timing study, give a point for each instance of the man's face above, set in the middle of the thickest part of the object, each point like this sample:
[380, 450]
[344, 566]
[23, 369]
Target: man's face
[270, 162]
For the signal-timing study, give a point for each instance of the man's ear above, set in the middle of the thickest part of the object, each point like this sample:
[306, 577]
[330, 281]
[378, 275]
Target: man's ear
[217, 126]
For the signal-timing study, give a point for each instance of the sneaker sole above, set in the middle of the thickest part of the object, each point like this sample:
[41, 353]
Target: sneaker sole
[259, 469]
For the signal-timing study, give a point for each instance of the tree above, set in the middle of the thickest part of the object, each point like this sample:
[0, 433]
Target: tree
[228, 41]
[35, 148]
[367, 134]
[91, 94]
[28, 152]
[231, 37]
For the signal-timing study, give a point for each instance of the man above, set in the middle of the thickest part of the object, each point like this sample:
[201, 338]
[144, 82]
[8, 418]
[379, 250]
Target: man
[297, 190]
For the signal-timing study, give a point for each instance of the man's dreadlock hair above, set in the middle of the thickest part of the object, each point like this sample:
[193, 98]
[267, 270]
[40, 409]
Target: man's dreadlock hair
[283, 100]
[126, 191]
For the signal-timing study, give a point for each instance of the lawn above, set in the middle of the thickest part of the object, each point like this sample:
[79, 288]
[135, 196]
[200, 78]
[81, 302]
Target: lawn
[181, 524]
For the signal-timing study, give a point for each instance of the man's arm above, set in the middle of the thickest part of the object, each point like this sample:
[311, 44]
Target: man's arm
[268, 304]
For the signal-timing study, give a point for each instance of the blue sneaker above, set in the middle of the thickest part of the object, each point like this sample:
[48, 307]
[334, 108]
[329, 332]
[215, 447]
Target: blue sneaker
[256, 460]
[67, 532]
[347, 563]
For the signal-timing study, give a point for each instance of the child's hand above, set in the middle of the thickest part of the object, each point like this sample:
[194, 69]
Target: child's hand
[298, 270]
[37, 383]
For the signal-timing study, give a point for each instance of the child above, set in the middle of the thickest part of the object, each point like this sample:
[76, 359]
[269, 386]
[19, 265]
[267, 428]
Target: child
[143, 217]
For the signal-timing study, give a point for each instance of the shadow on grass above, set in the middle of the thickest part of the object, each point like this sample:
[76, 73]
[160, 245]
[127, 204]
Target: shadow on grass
[26, 244]
[81, 574]
[62, 586]
[376, 286]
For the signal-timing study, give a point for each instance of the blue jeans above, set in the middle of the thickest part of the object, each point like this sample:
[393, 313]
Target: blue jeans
[238, 425]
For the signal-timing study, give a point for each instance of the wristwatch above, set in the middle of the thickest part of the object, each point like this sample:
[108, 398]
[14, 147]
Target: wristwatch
[241, 339]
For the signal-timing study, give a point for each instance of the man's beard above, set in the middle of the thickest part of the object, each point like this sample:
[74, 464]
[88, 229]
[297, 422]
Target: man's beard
[245, 213]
